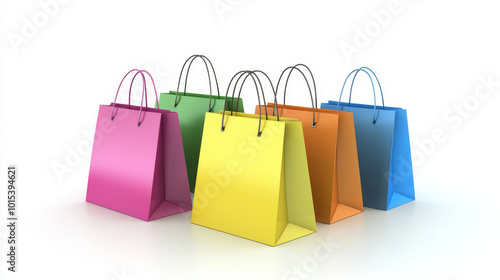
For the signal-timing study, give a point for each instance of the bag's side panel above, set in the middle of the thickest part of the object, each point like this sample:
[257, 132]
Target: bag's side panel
[348, 166]
[191, 113]
[230, 103]
[176, 179]
[298, 186]
[402, 173]
[158, 192]
[321, 153]
[299, 202]
[349, 183]
[346, 160]
[282, 218]
[123, 161]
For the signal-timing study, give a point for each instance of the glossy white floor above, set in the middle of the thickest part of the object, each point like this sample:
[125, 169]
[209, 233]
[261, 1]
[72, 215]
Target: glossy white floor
[441, 68]
[439, 236]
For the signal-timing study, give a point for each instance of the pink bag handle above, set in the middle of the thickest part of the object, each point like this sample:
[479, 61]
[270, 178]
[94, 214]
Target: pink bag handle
[144, 92]
[143, 85]
[152, 81]
[118, 90]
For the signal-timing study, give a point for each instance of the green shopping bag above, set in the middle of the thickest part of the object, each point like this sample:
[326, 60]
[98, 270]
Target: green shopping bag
[191, 108]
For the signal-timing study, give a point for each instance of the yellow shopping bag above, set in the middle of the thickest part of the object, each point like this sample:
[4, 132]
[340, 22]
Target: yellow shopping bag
[253, 178]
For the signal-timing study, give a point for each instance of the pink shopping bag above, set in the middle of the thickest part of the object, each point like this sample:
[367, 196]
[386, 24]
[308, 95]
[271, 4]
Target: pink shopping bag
[137, 165]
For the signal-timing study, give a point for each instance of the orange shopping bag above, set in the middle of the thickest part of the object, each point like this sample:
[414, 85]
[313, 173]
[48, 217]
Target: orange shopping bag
[331, 155]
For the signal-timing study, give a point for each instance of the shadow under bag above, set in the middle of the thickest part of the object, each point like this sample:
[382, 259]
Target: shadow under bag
[137, 165]
[383, 149]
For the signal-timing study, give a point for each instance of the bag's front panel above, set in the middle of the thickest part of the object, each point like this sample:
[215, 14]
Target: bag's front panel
[191, 110]
[123, 161]
[374, 142]
[239, 174]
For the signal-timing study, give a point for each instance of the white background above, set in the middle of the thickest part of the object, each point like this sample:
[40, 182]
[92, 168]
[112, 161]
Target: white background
[429, 56]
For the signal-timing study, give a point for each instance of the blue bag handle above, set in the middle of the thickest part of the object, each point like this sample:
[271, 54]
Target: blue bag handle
[373, 88]
[378, 82]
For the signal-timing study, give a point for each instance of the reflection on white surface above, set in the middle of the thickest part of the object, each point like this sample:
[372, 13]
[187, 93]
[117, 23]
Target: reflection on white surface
[431, 238]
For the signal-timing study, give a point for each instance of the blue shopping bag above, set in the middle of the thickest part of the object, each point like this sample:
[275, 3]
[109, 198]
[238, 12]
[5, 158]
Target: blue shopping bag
[383, 144]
